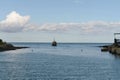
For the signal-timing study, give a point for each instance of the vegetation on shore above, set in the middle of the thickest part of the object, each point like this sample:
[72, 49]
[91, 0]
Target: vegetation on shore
[4, 46]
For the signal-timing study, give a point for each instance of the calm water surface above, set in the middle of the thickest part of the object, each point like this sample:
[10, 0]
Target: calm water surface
[65, 62]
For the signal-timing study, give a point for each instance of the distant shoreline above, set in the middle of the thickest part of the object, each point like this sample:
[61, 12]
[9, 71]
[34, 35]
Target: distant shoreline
[68, 42]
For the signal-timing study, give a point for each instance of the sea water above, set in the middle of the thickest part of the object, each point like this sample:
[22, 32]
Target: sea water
[67, 61]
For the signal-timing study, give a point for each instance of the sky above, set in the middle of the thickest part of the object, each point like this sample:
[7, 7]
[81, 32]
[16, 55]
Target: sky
[65, 20]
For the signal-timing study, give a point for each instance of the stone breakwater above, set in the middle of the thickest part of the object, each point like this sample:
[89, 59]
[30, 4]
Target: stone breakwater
[114, 48]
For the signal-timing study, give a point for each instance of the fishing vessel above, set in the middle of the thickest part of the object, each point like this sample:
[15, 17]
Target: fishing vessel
[54, 43]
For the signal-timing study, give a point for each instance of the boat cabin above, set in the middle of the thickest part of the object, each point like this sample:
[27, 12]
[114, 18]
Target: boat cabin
[117, 38]
[54, 43]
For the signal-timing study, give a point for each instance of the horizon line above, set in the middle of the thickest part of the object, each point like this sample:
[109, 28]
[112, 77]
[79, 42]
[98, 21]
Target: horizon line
[57, 42]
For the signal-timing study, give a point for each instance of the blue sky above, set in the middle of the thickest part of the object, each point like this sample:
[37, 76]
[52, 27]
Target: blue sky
[66, 20]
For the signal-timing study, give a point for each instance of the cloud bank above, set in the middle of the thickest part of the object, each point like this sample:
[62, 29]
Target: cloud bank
[86, 27]
[15, 22]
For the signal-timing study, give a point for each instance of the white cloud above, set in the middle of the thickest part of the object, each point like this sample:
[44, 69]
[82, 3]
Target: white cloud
[14, 22]
[87, 27]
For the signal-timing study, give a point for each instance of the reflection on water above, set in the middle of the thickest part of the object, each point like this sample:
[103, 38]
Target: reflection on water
[64, 62]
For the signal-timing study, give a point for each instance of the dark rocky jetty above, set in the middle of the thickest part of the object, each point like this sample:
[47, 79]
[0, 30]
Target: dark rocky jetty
[7, 46]
[113, 48]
